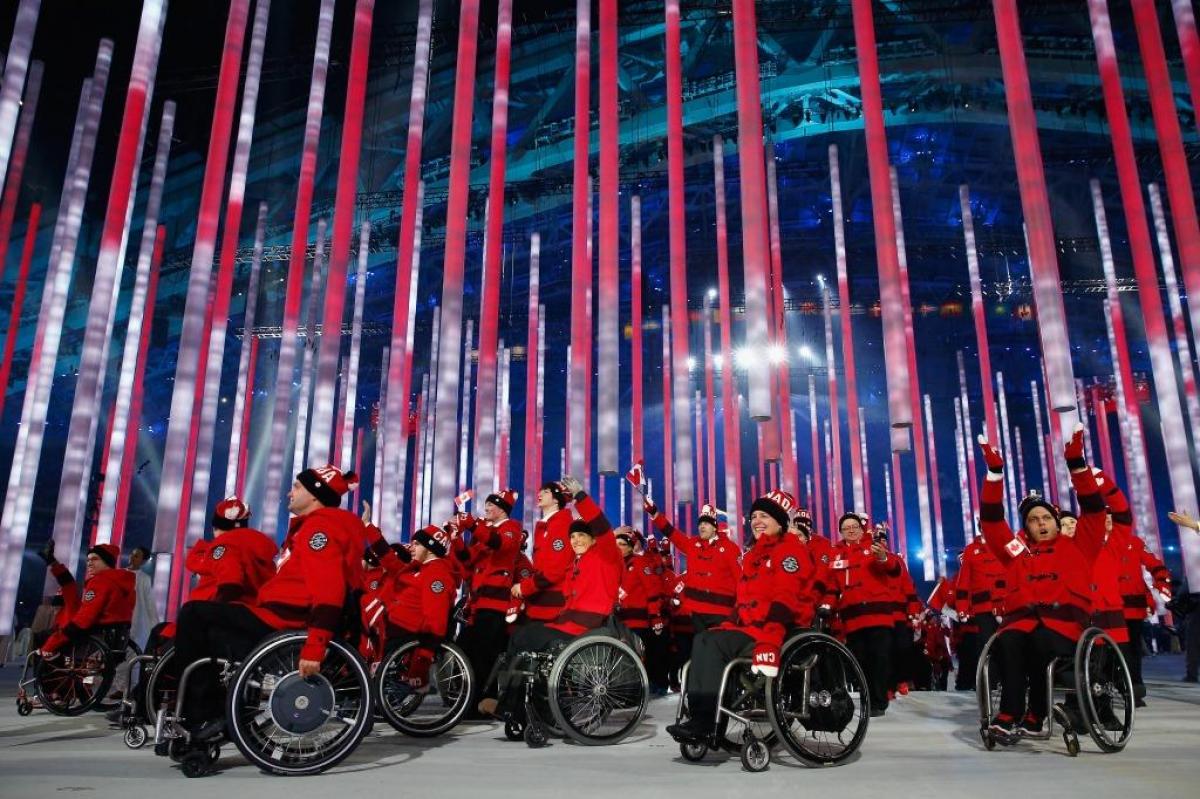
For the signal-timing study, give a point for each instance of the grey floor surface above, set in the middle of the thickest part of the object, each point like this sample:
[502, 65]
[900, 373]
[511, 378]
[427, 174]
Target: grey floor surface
[927, 746]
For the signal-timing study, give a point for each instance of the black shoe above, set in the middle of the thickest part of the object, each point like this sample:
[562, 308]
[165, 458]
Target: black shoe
[1139, 702]
[877, 712]
[1003, 731]
[689, 732]
[209, 731]
[115, 715]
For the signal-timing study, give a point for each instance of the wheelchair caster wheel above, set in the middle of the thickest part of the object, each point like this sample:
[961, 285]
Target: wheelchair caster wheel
[24, 708]
[195, 764]
[756, 756]
[989, 740]
[135, 736]
[535, 736]
[514, 730]
[214, 752]
[1072, 742]
[693, 753]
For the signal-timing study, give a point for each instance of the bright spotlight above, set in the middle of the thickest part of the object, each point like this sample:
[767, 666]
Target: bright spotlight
[776, 353]
[691, 363]
[806, 352]
[717, 361]
[712, 294]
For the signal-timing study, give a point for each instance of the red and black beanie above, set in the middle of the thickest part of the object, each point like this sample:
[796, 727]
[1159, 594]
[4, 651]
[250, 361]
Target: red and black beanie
[779, 505]
[434, 539]
[230, 514]
[328, 483]
[504, 500]
[1035, 500]
[109, 553]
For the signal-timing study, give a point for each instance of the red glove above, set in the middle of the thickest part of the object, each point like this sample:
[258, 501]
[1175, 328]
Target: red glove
[991, 456]
[657, 625]
[419, 663]
[464, 521]
[649, 506]
[1073, 452]
[766, 660]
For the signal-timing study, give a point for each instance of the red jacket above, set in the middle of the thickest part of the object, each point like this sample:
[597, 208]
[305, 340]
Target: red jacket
[493, 556]
[904, 592]
[774, 593]
[712, 570]
[320, 565]
[232, 566]
[595, 578]
[823, 556]
[640, 594]
[943, 594]
[982, 582]
[1132, 556]
[107, 599]
[1049, 583]
[1107, 611]
[419, 599]
[862, 582]
[552, 560]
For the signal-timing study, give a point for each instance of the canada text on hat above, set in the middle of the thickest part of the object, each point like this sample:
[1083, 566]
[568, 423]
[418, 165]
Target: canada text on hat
[505, 499]
[328, 483]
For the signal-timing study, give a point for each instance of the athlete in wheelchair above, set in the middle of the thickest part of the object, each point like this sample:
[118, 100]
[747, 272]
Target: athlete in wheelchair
[281, 677]
[581, 675]
[422, 683]
[72, 670]
[1045, 642]
[230, 567]
[750, 684]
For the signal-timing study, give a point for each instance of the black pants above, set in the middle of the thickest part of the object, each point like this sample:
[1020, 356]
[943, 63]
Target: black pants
[711, 652]
[1191, 645]
[706, 621]
[1024, 658]
[212, 630]
[1133, 655]
[482, 641]
[904, 655]
[531, 637]
[656, 655]
[971, 648]
[680, 654]
[872, 648]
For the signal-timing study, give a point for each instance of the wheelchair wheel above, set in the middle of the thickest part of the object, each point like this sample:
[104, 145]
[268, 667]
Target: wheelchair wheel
[24, 707]
[1105, 690]
[987, 689]
[127, 649]
[598, 690]
[286, 724]
[77, 680]
[818, 705]
[514, 730]
[160, 687]
[692, 752]
[755, 755]
[135, 736]
[424, 715]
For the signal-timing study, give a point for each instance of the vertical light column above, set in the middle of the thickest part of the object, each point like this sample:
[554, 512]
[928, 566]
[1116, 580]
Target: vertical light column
[698, 437]
[504, 422]
[289, 329]
[445, 446]
[343, 229]
[677, 241]
[581, 264]
[533, 377]
[979, 315]
[935, 483]
[540, 449]
[407, 259]
[637, 421]
[608, 322]
[914, 384]
[900, 405]
[836, 495]
[1162, 368]
[835, 508]
[381, 428]
[212, 358]
[18, 504]
[710, 409]
[464, 440]
[866, 469]
[350, 403]
[493, 248]
[964, 496]
[243, 397]
[1011, 486]
[191, 340]
[16, 164]
[122, 441]
[669, 497]
[754, 204]
[1189, 45]
[1180, 192]
[247, 416]
[1103, 436]
[898, 521]
[1043, 463]
[815, 448]
[16, 66]
[888, 506]
[1132, 446]
[19, 286]
[106, 284]
[1035, 203]
[969, 435]
[731, 427]
[843, 279]
[300, 446]
[779, 351]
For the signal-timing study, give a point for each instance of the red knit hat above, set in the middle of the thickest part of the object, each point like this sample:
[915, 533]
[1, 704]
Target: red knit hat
[433, 538]
[230, 513]
[109, 553]
[708, 514]
[505, 500]
[328, 483]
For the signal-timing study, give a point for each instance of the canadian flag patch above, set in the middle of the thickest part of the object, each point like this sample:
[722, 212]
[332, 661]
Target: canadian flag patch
[1014, 547]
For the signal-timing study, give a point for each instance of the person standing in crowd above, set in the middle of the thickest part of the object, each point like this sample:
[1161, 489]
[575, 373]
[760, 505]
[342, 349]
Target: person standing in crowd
[145, 609]
[978, 601]
[710, 584]
[542, 592]
[863, 569]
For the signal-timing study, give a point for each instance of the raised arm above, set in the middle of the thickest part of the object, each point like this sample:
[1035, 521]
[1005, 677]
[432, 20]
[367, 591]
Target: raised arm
[996, 532]
[1089, 532]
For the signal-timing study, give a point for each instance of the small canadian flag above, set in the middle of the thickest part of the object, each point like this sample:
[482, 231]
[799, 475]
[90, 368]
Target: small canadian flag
[462, 499]
[1014, 547]
[637, 476]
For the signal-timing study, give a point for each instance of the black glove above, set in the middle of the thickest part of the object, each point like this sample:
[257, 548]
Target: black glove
[46, 553]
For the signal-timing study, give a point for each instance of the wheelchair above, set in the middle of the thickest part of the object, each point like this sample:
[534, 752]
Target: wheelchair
[153, 691]
[279, 721]
[1096, 678]
[818, 706]
[430, 711]
[79, 679]
[592, 690]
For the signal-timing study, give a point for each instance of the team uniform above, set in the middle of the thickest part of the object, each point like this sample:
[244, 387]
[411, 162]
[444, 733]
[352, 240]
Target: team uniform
[866, 611]
[552, 560]
[105, 600]
[979, 602]
[710, 588]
